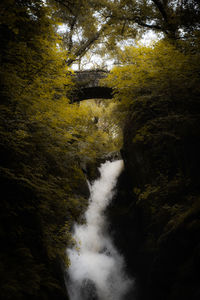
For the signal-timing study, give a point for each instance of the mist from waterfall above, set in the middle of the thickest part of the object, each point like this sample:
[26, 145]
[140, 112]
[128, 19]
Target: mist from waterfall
[97, 270]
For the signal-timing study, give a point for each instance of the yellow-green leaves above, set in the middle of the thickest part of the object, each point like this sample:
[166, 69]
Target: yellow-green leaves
[161, 68]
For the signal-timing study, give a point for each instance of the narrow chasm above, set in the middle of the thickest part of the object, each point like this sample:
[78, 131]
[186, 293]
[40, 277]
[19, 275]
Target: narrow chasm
[97, 269]
[80, 80]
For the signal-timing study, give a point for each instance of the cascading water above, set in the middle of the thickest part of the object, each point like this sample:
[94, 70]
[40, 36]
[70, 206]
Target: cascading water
[97, 269]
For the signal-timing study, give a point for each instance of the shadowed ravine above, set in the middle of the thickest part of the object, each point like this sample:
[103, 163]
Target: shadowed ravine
[97, 269]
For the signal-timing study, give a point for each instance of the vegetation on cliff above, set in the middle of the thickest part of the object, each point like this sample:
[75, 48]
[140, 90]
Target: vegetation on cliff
[44, 142]
[159, 88]
[47, 143]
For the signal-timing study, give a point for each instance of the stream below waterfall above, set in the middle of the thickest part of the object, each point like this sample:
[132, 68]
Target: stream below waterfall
[97, 270]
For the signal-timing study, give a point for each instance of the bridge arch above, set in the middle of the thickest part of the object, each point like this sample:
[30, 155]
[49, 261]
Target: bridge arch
[87, 86]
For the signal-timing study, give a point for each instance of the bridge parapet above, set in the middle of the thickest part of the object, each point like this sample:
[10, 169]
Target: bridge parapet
[88, 86]
[90, 78]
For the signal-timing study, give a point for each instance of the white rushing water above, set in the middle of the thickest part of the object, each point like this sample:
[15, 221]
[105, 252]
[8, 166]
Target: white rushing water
[97, 271]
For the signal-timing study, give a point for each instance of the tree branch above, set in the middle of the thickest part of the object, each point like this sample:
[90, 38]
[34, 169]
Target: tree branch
[141, 23]
[71, 33]
[150, 26]
[169, 28]
[87, 45]
[66, 4]
[161, 9]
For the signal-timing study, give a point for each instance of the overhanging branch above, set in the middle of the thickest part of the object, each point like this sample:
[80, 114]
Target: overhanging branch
[87, 45]
[161, 9]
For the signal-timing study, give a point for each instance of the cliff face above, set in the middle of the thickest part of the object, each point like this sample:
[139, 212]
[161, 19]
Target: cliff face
[156, 214]
[33, 230]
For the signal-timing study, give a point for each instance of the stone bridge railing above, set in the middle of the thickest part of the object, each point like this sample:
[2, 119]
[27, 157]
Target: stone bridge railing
[88, 86]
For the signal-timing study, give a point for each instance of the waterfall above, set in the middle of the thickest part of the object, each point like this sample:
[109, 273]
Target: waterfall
[97, 270]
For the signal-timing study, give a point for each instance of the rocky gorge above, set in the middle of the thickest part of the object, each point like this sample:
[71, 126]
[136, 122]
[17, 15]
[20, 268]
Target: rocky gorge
[156, 213]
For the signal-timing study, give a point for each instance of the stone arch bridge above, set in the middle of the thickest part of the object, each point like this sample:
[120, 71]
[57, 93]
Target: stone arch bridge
[88, 86]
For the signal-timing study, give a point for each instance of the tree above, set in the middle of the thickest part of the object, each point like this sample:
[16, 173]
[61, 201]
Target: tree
[43, 141]
[162, 69]
[89, 23]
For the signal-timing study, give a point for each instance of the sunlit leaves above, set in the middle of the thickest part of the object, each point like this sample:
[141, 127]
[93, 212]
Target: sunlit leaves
[161, 68]
[43, 138]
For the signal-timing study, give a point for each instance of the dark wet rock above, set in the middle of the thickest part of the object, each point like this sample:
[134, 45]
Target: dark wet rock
[156, 214]
[91, 167]
[88, 290]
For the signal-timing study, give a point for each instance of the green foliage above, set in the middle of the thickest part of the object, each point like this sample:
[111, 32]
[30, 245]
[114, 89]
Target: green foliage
[162, 69]
[100, 26]
[158, 90]
[107, 135]
[44, 141]
[151, 78]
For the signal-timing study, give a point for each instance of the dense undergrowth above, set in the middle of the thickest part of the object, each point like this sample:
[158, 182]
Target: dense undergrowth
[158, 87]
[45, 141]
